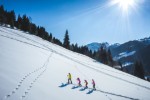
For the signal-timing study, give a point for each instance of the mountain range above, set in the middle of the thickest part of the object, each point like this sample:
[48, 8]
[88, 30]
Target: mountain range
[128, 52]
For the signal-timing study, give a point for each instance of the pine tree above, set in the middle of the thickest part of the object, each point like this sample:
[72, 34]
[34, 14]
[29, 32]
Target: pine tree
[50, 37]
[2, 14]
[19, 22]
[138, 70]
[110, 59]
[25, 23]
[46, 35]
[56, 41]
[66, 42]
[90, 53]
[76, 49]
[102, 55]
[41, 31]
[13, 18]
[94, 55]
[33, 28]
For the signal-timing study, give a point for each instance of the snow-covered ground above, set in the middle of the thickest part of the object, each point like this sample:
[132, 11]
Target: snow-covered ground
[127, 64]
[33, 69]
[124, 54]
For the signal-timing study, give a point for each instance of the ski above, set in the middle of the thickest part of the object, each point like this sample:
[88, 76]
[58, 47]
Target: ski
[63, 85]
[90, 91]
[83, 88]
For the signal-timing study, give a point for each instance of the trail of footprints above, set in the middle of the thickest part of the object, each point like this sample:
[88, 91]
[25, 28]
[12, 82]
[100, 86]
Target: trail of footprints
[31, 83]
[22, 81]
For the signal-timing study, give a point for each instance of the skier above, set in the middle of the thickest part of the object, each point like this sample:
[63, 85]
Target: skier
[93, 83]
[69, 78]
[79, 82]
[86, 83]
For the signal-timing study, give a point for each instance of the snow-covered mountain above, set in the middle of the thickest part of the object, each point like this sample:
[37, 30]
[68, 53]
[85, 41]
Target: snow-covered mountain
[145, 40]
[131, 51]
[33, 69]
[95, 46]
[124, 54]
[128, 52]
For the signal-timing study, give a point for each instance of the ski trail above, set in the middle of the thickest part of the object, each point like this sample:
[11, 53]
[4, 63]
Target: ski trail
[23, 42]
[104, 94]
[21, 84]
[109, 70]
[108, 93]
[99, 71]
[87, 66]
[14, 33]
[46, 47]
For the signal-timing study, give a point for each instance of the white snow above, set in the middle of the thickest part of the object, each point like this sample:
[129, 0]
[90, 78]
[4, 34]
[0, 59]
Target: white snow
[32, 69]
[124, 54]
[127, 64]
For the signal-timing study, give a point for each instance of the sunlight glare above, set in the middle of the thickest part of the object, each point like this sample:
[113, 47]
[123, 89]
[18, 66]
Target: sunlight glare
[124, 4]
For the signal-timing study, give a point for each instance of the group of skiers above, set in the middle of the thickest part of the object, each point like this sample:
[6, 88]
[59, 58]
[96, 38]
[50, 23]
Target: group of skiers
[79, 81]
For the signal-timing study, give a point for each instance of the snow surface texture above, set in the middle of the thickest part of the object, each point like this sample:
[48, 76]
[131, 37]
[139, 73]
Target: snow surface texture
[33, 69]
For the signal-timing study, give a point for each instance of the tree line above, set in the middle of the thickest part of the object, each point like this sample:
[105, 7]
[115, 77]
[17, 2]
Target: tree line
[25, 24]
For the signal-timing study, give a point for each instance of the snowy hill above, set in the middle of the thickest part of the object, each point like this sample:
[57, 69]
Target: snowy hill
[33, 69]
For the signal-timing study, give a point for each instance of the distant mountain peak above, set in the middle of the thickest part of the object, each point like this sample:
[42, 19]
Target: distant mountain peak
[94, 46]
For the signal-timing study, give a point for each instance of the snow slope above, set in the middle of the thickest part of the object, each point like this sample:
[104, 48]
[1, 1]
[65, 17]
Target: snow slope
[33, 69]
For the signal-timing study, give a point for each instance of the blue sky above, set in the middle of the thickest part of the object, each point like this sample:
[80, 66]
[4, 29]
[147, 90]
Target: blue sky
[87, 20]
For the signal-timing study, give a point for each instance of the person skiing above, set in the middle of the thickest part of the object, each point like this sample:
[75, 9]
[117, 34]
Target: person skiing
[69, 78]
[93, 83]
[86, 83]
[79, 81]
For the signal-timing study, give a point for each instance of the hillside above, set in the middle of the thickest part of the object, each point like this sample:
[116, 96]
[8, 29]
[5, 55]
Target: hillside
[33, 69]
[128, 52]
[144, 56]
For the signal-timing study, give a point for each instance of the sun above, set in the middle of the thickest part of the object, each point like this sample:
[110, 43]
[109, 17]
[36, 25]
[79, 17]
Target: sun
[124, 4]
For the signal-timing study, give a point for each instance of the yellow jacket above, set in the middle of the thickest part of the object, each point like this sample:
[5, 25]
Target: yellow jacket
[69, 76]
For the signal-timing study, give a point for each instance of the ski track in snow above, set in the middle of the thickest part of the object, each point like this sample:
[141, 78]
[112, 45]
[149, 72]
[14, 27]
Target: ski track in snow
[53, 50]
[31, 83]
[14, 33]
[104, 92]
[79, 62]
